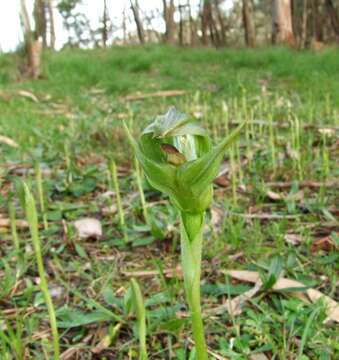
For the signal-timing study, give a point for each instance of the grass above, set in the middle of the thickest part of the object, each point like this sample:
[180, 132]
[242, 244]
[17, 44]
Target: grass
[73, 133]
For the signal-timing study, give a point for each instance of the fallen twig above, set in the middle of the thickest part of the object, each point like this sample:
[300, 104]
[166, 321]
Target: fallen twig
[301, 184]
[265, 216]
[165, 93]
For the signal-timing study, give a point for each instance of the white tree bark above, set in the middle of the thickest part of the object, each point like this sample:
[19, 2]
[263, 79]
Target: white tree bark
[282, 31]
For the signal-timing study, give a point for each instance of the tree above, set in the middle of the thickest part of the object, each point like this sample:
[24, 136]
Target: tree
[221, 22]
[332, 12]
[51, 23]
[106, 25]
[209, 27]
[138, 23]
[33, 46]
[40, 21]
[169, 10]
[249, 27]
[282, 31]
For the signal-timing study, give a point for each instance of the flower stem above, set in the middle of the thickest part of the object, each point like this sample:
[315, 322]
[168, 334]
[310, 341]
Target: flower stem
[191, 246]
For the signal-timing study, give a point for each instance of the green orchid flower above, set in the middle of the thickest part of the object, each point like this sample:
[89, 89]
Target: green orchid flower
[178, 159]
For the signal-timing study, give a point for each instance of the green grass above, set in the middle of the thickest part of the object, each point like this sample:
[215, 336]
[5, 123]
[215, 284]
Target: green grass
[74, 131]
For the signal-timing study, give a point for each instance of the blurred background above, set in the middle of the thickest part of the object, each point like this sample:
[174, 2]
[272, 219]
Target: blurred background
[92, 23]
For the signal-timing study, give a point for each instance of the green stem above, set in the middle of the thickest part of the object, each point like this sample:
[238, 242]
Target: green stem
[191, 246]
[32, 218]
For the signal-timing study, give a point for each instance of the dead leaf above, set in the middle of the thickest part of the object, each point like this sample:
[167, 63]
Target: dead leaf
[71, 353]
[107, 340]
[293, 239]
[283, 283]
[29, 95]
[326, 243]
[88, 228]
[8, 141]
[259, 356]
[217, 217]
[235, 306]
[222, 181]
[274, 196]
[327, 131]
[6, 223]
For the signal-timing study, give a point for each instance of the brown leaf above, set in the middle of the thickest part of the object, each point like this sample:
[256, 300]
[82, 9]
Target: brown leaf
[29, 95]
[283, 283]
[107, 340]
[235, 305]
[325, 243]
[6, 223]
[259, 356]
[293, 239]
[274, 196]
[222, 181]
[88, 228]
[8, 141]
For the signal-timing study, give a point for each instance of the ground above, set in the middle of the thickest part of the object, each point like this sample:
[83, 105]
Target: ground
[274, 211]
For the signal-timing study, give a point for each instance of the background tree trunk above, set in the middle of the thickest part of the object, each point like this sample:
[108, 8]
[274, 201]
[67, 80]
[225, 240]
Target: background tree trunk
[303, 34]
[249, 28]
[40, 21]
[105, 25]
[33, 45]
[51, 23]
[221, 23]
[332, 12]
[282, 31]
[205, 21]
[193, 28]
[138, 23]
[169, 10]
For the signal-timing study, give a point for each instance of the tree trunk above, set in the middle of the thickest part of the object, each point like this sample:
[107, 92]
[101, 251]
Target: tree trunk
[205, 21]
[282, 31]
[40, 21]
[181, 26]
[303, 34]
[221, 23]
[249, 27]
[332, 12]
[105, 25]
[51, 23]
[208, 27]
[33, 46]
[124, 27]
[193, 29]
[169, 10]
[318, 21]
[138, 23]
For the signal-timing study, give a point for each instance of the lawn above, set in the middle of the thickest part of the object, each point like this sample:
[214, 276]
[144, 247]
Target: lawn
[274, 214]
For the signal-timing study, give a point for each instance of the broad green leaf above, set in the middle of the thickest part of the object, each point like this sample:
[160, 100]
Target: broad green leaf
[69, 317]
